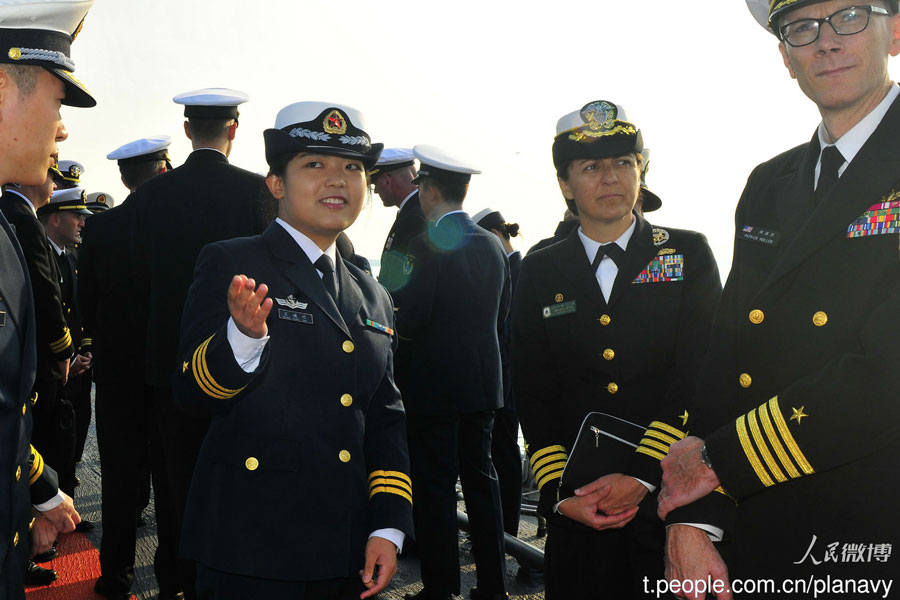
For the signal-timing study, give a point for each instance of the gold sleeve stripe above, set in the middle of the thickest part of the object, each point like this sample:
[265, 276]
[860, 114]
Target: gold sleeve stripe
[721, 490]
[554, 466]
[775, 442]
[62, 343]
[546, 450]
[37, 466]
[559, 456]
[381, 481]
[747, 445]
[654, 444]
[668, 429]
[763, 449]
[397, 474]
[388, 490]
[87, 341]
[789, 438]
[649, 452]
[549, 476]
[660, 436]
[205, 380]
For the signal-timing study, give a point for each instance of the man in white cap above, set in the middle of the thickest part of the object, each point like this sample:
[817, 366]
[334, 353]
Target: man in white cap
[797, 411]
[115, 323]
[35, 78]
[205, 200]
[456, 299]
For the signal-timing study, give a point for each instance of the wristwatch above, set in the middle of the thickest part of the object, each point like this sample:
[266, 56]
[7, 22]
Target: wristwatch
[704, 456]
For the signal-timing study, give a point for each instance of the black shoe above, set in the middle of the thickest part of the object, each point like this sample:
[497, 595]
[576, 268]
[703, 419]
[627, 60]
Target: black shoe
[47, 556]
[35, 575]
[425, 595]
[84, 526]
[476, 594]
[102, 588]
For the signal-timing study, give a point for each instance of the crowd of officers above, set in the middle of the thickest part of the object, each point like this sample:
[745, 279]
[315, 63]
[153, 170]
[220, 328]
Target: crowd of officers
[615, 333]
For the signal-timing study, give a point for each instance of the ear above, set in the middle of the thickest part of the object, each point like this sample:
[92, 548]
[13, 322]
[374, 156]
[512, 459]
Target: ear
[187, 131]
[276, 186]
[232, 130]
[782, 47]
[894, 49]
[6, 83]
[564, 187]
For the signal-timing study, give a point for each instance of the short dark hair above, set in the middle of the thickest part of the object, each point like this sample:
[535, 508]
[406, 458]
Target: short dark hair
[451, 191]
[25, 77]
[135, 174]
[206, 129]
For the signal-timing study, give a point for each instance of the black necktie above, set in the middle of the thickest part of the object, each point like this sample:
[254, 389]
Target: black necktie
[611, 250]
[326, 267]
[828, 171]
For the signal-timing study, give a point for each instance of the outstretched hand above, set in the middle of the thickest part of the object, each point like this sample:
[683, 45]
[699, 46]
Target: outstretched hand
[249, 306]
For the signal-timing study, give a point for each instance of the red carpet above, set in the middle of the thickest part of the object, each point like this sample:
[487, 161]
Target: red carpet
[78, 566]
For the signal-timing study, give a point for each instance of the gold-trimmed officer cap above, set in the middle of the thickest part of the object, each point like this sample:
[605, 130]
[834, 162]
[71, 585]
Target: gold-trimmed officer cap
[651, 201]
[146, 149]
[321, 128]
[70, 172]
[598, 130]
[73, 200]
[40, 33]
[439, 164]
[211, 103]
[98, 202]
[768, 12]
[392, 159]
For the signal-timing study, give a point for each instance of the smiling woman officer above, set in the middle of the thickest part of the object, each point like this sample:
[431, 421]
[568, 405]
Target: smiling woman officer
[301, 489]
[612, 319]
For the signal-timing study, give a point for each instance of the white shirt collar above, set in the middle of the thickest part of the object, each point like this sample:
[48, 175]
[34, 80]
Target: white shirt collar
[452, 212]
[309, 247]
[851, 142]
[591, 246]
[405, 200]
[25, 198]
[59, 251]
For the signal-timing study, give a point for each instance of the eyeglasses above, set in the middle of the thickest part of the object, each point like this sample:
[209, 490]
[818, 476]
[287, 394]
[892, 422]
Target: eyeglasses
[847, 21]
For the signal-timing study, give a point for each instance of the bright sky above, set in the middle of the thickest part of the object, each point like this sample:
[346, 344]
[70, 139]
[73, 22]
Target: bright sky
[484, 80]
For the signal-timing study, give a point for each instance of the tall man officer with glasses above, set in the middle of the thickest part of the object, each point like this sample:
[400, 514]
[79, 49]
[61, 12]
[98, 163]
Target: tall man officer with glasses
[799, 400]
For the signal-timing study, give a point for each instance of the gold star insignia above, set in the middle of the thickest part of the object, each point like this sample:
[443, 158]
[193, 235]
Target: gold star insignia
[184, 367]
[684, 418]
[798, 414]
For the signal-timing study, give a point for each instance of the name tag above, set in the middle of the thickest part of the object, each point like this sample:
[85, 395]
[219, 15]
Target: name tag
[758, 234]
[297, 317]
[558, 310]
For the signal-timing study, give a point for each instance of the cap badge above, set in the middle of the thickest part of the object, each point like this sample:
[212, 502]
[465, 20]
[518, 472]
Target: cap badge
[101, 199]
[292, 302]
[335, 122]
[599, 121]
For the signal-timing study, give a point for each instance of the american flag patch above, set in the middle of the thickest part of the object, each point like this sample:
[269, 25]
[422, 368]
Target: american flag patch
[662, 268]
[881, 218]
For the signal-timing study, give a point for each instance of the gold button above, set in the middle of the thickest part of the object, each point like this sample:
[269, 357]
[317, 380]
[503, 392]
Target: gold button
[15, 53]
[251, 463]
[16, 539]
[344, 456]
[745, 380]
[612, 388]
[608, 354]
[346, 399]
[18, 473]
[820, 318]
[604, 320]
[757, 316]
[348, 346]
[31, 524]
[23, 409]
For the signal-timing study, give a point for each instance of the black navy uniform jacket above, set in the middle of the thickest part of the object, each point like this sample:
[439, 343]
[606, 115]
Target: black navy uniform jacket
[67, 266]
[306, 456]
[636, 356]
[204, 200]
[19, 464]
[409, 224]
[800, 404]
[449, 317]
[54, 340]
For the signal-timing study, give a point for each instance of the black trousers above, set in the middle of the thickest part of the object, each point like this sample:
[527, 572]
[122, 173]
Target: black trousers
[78, 392]
[181, 436]
[124, 416]
[442, 448]
[580, 563]
[53, 434]
[507, 460]
[219, 585]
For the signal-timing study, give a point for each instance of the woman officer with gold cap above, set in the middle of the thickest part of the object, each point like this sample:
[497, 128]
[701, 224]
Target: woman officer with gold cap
[301, 489]
[612, 319]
